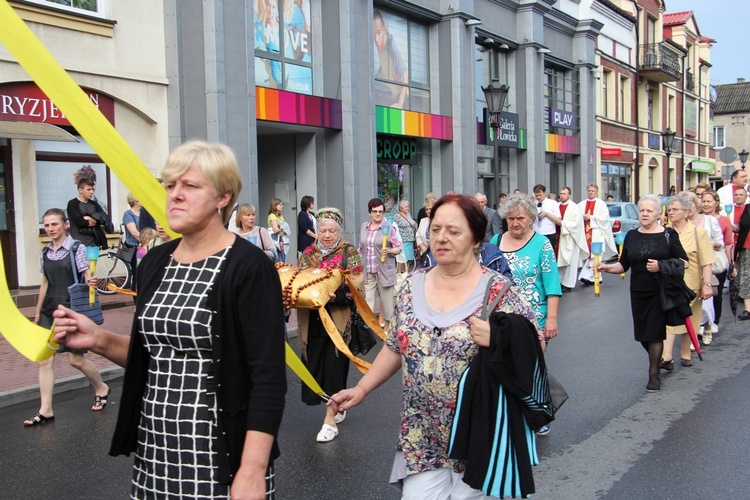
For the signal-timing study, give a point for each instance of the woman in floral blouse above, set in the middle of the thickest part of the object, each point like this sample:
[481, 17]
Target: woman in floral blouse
[436, 334]
[329, 367]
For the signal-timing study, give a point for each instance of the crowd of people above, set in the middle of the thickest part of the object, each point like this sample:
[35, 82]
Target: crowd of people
[209, 315]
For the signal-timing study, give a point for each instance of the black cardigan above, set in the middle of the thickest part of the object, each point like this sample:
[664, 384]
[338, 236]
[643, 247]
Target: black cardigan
[247, 326]
[515, 361]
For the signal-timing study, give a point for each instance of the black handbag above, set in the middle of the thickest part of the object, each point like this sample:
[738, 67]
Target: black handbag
[557, 392]
[126, 252]
[362, 337]
[78, 293]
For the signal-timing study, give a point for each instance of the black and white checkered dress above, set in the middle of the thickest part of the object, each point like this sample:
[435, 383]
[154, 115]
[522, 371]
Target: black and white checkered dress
[175, 455]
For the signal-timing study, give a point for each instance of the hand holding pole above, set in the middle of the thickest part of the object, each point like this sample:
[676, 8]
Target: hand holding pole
[619, 240]
[385, 230]
[92, 255]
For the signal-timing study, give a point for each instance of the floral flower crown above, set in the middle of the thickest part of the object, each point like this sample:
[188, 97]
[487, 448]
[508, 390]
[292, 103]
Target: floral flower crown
[330, 213]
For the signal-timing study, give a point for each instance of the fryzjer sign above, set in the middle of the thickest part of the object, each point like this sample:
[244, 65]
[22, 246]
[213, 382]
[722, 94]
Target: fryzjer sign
[25, 102]
[562, 119]
[611, 151]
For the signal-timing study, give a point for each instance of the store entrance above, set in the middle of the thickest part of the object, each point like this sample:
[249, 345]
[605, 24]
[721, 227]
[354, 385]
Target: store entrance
[616, 182]
[7, 216]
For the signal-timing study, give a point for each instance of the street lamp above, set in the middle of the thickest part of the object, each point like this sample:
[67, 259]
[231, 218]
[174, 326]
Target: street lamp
[495, 95]
[667, 142]
[743, 157]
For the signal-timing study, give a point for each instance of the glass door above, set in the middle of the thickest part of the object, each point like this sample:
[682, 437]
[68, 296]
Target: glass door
[7, 233]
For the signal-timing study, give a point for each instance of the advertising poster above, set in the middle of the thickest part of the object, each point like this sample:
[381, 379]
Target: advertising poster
[283, 34]
[391, 59]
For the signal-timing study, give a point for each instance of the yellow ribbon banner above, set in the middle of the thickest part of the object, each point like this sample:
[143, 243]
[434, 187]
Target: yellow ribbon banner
[293, 362]
[26, 337]
[55, 82]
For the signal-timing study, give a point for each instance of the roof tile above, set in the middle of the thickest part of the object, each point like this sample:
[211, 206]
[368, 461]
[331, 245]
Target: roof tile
[673, 18]
[732, 98]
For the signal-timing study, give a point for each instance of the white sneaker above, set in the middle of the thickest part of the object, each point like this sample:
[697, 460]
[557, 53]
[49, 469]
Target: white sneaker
[543, 431]
[707, 338]
[327, 433]
[714, 327]
[340, 417]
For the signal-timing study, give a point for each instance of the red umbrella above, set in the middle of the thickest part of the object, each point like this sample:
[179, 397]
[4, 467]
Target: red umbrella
[693, 337]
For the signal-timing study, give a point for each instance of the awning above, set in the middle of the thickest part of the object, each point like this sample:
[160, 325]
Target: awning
[34, 131]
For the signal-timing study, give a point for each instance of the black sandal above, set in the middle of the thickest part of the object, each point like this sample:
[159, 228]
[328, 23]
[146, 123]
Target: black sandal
[37, 419]
[101, 401]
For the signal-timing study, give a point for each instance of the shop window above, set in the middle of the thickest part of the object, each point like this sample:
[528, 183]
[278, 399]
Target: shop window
[59, 167]
[561, 91]
[400, 52]
[81, 6]
[283, 45]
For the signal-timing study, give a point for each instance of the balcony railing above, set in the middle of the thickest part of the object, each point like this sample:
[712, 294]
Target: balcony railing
[660, 61]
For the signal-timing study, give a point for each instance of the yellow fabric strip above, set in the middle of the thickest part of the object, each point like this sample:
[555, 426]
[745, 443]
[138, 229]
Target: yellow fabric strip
[82, 113]
[364, 310]
[338, 341]
[25, 336]
[293, 361]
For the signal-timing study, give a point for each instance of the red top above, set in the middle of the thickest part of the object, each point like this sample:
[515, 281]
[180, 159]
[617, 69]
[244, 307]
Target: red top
[562, 210]
[726, 229]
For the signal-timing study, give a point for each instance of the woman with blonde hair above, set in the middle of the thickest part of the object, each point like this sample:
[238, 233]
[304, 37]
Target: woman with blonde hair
[257, 235]
[710, 202]
[279, 229]
[205, 378]
[711, 225]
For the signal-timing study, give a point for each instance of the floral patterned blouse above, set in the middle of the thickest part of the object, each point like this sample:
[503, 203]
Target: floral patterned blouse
[431, 372]
[314, 257]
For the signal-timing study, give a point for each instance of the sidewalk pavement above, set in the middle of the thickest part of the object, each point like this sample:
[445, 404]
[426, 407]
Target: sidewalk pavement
[19, 376]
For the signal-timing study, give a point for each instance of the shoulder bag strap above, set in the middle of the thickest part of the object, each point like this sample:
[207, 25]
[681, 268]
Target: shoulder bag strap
[488, 307]
[74, 267]
[698, 251]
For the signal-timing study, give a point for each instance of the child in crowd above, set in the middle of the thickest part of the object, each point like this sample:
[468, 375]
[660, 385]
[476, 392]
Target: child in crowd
[147, 236]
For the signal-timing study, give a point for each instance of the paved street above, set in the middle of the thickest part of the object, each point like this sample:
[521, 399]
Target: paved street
[612, 440]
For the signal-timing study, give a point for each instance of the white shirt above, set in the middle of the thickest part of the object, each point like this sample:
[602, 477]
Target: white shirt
[726, 196]
[544, 225]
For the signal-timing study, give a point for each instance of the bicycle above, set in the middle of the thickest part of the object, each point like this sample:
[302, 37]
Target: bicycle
[110, 268]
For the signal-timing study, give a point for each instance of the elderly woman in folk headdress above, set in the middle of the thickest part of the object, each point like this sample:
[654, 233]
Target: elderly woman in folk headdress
[329, 366]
